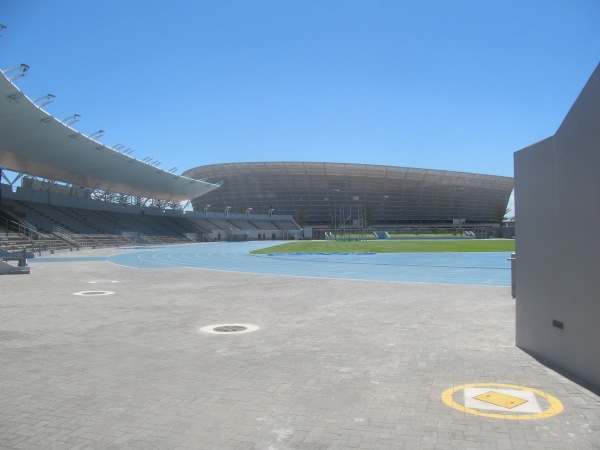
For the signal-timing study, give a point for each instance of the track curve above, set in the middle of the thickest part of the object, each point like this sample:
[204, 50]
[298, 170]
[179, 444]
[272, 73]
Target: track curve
[483, 269]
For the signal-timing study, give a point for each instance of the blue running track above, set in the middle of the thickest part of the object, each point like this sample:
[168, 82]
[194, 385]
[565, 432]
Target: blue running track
[481, 269]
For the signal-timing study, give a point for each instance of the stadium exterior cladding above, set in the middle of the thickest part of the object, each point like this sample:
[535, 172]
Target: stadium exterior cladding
[312, 191]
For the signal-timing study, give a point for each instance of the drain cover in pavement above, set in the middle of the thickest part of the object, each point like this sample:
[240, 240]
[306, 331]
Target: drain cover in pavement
[94, 293]
[229, 328]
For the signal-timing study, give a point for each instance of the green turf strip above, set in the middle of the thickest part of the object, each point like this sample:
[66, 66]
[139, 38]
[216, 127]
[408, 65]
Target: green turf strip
[385, 246]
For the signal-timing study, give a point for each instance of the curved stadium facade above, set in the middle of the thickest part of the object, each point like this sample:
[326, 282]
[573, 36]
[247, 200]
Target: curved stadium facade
[316, 192]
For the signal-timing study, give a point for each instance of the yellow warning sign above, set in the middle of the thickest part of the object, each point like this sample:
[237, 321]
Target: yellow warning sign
[500, 399]
[512, 402]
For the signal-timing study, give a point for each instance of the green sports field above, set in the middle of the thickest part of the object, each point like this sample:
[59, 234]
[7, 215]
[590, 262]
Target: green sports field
[386, 246]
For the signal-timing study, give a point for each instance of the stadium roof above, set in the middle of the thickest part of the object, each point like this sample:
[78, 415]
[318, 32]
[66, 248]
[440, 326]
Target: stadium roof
[35, 143]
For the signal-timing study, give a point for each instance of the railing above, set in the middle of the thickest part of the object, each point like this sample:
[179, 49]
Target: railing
[16, 248]
[66, 235]
[22, 228]
[78, 241]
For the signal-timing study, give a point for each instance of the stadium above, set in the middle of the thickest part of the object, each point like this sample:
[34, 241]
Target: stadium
[121, 337]
[315, 193]
[70, 190]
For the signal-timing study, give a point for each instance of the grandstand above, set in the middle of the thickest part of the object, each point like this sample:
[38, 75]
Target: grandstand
[66, 223]
[60, 189]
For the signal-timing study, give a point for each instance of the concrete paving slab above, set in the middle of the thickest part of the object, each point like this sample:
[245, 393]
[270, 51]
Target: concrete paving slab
[334, 364]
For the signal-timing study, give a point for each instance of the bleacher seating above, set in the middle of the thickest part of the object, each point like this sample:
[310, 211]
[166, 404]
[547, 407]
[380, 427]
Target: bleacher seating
[242, 224]
[287, 225]
[44, 226]
[220, 224]
[201, 225]
[264, 224]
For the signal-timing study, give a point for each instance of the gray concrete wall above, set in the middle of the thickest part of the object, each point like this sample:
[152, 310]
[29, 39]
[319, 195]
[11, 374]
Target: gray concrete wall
[557, 195]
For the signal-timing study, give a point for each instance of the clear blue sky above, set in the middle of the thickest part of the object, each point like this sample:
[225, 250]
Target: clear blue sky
[456, 85]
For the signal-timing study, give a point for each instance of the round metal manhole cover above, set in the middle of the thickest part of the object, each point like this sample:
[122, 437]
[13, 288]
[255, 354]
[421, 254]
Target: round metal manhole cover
[229, 328]
[94, 293]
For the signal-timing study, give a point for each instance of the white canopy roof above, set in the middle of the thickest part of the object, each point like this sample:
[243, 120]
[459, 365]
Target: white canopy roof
[35, 143]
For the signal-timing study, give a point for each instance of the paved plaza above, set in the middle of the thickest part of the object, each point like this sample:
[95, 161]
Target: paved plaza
[98, 355]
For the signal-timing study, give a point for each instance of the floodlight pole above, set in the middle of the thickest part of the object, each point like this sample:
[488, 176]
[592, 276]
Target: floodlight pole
[49, 98]
[21, 68]
[96, 134]
[68, 121]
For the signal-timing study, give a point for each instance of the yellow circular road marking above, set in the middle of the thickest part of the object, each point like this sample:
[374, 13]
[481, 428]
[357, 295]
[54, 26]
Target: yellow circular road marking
[555, 406]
